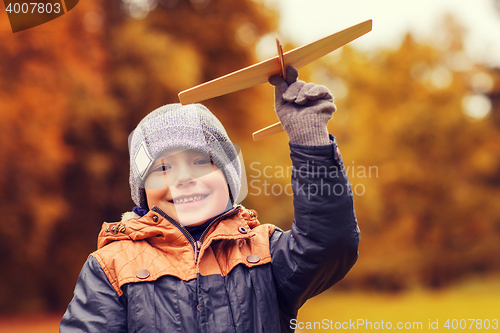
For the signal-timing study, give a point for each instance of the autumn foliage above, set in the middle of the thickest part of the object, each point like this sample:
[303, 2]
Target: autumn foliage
[426, 173]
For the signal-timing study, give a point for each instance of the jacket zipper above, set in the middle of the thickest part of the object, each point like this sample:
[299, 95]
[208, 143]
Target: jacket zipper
[195, 244]
[204, 234]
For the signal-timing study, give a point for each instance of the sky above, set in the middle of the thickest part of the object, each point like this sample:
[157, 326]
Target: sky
[303, 21]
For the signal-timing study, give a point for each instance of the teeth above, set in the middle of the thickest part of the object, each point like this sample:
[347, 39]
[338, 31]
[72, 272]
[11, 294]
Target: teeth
[189, 199]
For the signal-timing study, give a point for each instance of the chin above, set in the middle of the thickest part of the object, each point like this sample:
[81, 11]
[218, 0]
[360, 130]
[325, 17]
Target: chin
[195, 218]
[200, 213]
[199, 216]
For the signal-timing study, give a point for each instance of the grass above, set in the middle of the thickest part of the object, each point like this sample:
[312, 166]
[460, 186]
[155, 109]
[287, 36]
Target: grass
[474, 299]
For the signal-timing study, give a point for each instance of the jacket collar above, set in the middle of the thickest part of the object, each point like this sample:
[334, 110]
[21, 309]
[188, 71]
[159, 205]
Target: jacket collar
[157, 228]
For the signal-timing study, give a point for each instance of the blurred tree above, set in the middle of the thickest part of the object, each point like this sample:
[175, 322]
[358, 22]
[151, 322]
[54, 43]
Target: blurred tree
[72, 90]
[497, 5]
[40, 73]
[428, 210]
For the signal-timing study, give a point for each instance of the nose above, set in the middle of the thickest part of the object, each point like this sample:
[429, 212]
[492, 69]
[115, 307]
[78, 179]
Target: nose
[185, 176]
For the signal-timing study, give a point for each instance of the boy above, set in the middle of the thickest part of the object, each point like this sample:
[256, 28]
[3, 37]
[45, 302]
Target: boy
[189, 259]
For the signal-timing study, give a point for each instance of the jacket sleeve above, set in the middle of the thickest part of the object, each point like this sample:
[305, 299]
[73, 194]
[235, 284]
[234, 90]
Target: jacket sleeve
[95, 306]
[321, 246]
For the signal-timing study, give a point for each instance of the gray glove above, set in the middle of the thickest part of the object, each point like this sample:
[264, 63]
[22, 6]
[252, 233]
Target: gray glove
[303, 109]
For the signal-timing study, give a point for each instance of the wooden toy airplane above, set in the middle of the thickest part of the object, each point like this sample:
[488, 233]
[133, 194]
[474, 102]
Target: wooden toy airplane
[259, 73]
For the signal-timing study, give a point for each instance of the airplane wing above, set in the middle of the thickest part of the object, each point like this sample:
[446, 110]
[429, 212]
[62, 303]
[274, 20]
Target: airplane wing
[259, 73]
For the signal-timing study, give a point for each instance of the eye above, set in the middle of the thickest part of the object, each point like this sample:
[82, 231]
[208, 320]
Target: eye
[162, 168]
[203, 161]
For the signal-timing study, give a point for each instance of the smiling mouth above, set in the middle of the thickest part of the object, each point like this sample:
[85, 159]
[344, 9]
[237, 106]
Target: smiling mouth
[189, 199]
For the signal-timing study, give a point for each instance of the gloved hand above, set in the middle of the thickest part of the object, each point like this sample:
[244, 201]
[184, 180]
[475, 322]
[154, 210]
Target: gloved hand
[303, 109]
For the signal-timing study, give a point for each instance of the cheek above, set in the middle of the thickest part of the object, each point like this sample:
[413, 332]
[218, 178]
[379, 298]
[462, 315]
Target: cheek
[154, 196]
[219, 185]
[156, 181]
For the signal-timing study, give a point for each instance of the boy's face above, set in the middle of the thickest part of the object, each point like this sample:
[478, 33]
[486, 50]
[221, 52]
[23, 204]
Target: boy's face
[187, 186]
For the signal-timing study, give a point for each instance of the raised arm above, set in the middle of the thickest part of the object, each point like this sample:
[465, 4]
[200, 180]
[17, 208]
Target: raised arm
[322, 245]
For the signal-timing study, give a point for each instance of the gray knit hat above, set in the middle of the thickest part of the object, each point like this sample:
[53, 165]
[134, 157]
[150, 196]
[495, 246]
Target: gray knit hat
[180, 126]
